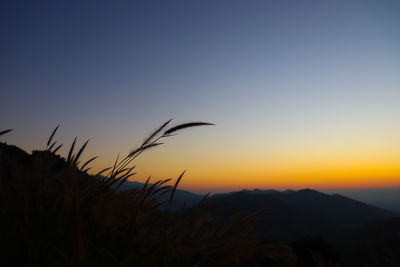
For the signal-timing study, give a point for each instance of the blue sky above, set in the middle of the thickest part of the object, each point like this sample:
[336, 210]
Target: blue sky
[279, 78]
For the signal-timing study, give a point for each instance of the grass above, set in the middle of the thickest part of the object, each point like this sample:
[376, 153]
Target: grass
[54, 213]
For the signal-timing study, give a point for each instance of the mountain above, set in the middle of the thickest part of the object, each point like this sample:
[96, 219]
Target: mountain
[292, 214]
[310, 220]
[259, 191]
[289, 214]
[388, 205]
[254, 191]
[387, 198]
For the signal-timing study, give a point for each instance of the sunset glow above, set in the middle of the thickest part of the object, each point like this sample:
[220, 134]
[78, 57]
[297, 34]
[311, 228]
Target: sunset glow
[301, 95]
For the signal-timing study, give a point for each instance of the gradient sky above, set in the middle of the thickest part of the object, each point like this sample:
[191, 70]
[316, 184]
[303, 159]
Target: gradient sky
[303, 93]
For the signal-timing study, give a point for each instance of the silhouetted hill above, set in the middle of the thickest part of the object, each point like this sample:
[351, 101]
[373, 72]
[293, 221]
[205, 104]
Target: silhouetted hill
[291, 215]
[388, 205]
[53, 213]
[386, 197]
[39, 190]
[288, 214]
[259, 191]
[338, 209]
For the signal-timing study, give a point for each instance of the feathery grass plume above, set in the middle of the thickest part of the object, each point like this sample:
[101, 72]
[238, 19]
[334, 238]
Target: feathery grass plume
[186, 125]
[5, 131]
[83, 221]
[175, 186]
[52, 135]
[149, 142]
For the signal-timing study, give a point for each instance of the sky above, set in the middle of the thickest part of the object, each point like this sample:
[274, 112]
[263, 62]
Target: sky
[302, 93]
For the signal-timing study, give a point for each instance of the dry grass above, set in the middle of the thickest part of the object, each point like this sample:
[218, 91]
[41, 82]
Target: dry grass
[53, 213]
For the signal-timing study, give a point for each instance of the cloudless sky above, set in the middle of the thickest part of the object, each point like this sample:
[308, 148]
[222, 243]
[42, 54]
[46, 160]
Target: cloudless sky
[303, 93]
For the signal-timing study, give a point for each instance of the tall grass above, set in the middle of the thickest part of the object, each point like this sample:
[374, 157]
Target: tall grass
[54, 213]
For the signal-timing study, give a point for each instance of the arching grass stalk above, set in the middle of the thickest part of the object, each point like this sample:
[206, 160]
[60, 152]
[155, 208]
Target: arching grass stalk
[150, 142]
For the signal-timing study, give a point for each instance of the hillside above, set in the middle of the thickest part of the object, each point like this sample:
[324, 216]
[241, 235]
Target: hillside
[313, 212]
[55, 214]
[292, 214]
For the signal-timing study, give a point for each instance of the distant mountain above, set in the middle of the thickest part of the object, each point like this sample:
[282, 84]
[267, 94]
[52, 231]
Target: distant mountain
[386, 198]
[254, 191]
[289, 214]
[293, 214]
[259, 191]
[288, 191]
[388, 205]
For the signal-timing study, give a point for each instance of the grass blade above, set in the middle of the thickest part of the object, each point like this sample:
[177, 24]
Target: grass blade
[86, 170]
[175, 186]
[52, 135]
[143, 148]
[71, 150]
[115, 165]
[87, 162]
[100, 172]
[145, 184]
[49, 149]
[79, 153]
[203, 200]
[57, 148]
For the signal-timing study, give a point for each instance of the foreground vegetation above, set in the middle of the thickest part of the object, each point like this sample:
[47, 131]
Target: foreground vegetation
[53, 213]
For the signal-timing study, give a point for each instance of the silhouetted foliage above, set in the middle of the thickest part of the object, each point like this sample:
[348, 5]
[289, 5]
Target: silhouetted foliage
[53, 213]
[311, 249]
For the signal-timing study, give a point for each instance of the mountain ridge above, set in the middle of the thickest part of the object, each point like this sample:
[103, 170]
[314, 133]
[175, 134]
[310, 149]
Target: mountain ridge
[289, 214]
[302, 212]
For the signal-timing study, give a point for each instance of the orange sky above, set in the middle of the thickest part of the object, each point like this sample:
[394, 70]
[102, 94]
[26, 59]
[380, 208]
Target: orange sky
[210, 167]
